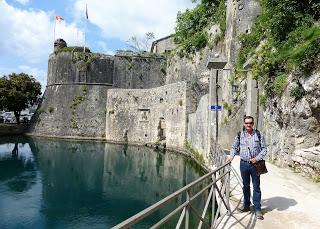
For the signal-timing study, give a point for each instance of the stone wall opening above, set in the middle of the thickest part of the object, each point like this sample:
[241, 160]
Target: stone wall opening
[162, 130]
[82, 76]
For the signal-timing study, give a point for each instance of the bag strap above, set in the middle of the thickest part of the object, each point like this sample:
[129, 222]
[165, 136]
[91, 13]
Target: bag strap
[238, 136]
[259, 137]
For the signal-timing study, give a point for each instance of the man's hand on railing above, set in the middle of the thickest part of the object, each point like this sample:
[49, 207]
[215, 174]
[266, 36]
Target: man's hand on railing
[229, 158]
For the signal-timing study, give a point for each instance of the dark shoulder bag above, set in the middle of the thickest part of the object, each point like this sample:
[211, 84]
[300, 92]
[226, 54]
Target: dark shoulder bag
[260, 165]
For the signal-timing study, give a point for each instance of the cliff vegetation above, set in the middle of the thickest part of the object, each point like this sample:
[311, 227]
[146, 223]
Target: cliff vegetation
[192, 25]
[285, 38]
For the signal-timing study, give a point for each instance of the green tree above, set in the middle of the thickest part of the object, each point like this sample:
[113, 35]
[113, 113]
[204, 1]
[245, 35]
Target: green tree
[191, 25]
[17, 92]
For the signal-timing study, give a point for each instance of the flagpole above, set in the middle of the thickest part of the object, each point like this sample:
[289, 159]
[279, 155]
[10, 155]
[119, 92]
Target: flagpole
[85, 28]
[54, 30]
[84, 44]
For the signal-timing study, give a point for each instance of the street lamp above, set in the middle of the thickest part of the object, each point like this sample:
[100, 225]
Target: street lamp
[216, 63]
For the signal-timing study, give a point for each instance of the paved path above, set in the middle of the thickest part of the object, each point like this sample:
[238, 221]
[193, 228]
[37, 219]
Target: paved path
[288, 201]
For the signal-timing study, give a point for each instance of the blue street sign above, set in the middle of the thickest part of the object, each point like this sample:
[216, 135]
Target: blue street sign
[214, 107]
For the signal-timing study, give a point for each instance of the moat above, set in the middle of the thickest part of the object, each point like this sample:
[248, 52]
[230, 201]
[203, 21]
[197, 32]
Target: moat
[71, 184]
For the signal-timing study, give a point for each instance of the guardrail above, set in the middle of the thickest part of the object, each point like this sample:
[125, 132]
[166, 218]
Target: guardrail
[216, 186]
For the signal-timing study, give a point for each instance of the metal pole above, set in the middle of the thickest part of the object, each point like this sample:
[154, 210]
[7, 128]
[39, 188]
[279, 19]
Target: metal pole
[84, 43]
[217, 102]
[258, 106]
[54, 30]
[213, 206]
[228, 189]
[210, 102]
[187, 211]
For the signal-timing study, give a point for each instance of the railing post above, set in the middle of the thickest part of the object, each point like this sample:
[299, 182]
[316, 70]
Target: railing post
[213, 199]
[228, 188]
[187, 211]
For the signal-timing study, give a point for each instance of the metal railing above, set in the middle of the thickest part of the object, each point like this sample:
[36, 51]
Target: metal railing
[216, 187]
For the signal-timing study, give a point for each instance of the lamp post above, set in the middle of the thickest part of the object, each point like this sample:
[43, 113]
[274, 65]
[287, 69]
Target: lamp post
[217, 64]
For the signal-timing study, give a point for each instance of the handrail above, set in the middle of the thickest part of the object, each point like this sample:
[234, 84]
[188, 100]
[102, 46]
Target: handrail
[218, 191]
[134, 219]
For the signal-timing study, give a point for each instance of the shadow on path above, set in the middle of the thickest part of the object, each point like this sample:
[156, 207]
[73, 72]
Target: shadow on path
[278, 202]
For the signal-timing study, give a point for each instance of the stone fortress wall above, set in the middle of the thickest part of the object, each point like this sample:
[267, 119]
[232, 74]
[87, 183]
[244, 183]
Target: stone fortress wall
[74, 103]
[147, 115]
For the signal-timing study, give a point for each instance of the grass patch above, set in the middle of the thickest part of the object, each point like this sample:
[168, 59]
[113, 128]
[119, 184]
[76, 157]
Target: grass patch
[72, 49]
[195, 154]
[316, 179]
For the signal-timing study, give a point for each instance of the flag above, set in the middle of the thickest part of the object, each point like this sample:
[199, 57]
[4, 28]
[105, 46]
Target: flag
[58, 18]
[87, 12]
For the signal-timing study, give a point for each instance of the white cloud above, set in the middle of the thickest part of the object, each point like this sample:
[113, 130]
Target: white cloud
[28, 34]
[126, 18]
[23, 2]
[105, 48]
[38, 74]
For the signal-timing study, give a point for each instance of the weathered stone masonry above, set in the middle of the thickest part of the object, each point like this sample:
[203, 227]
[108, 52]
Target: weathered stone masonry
[74, 103]
[147, 115]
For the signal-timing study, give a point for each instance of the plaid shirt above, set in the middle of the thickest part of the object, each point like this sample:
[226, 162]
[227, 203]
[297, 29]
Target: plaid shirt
[249, 146]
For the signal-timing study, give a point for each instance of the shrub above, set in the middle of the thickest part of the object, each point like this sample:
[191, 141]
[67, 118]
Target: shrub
[262, 100]
[191, 30]
[297, 91]
[50, 110]
[40, 111]
[316, 178]
[228, 107]
[279, 84]
[225, 120]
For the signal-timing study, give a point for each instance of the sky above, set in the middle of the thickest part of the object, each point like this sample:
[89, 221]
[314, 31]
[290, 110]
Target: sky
[27, 28]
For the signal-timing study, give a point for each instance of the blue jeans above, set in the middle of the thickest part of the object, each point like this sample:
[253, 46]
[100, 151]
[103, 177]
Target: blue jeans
[248, 170]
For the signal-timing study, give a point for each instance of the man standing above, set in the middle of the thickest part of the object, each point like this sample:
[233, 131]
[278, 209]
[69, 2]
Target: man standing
[252, 147]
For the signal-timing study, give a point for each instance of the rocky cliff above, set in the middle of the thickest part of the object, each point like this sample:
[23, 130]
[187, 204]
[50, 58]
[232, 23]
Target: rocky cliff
[292, 126]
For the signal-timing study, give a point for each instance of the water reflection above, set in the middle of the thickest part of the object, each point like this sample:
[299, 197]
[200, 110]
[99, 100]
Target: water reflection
[17, 170]
[84, 184]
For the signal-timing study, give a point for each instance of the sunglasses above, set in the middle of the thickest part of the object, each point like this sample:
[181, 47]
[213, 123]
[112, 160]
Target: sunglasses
[247, 123]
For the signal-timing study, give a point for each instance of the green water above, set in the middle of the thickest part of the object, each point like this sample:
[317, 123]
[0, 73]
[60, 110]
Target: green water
[71, 184]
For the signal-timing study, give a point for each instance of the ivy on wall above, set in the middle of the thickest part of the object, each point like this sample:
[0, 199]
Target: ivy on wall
[75, 102]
